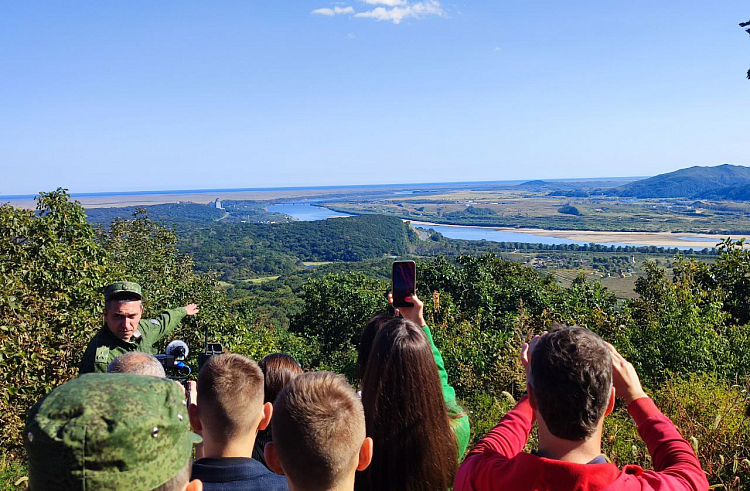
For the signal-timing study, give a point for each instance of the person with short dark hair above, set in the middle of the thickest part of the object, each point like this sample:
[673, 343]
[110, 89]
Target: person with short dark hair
[124, 331]
[278, 369]
[137, 362]
[572, 378]
[229, 412]
[319, 435]
[100, 432]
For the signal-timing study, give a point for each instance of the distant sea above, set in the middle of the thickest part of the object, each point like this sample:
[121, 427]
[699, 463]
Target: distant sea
[6, 197]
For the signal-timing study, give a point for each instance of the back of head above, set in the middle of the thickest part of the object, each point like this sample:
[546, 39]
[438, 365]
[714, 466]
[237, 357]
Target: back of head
[571, 379]
[318, 429]
[278, 369]
[415, 447]
[230, 396]
[97, 431]
[366, 340]
[138, 363]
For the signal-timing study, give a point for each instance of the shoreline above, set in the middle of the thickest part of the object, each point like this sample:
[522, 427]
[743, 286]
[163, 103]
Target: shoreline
[658, 239]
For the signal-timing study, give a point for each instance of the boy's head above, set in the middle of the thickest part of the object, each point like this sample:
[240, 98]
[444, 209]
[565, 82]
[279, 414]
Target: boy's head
[571, 382]
[101, 431]
[318, 428]
[230, 398]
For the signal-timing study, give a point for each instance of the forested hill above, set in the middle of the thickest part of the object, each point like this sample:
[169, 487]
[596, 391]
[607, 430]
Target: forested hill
[248, 249]
[169, 213]
[720, 182]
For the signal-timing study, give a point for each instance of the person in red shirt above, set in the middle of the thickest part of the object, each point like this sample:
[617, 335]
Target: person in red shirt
[572, 378]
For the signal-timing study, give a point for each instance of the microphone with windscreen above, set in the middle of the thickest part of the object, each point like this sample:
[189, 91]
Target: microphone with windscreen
[174, 359]
[179, 349]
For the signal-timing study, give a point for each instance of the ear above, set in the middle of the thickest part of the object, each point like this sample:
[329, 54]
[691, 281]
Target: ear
[195, 421]
[611, 404]
[530, 393]
[265, 419]
[194, 485]
[272, 458]
[365, 454]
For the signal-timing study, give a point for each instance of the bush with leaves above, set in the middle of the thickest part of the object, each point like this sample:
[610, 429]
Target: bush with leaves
[51, 272]
[682, 326]
[336, 309]
[709, 411]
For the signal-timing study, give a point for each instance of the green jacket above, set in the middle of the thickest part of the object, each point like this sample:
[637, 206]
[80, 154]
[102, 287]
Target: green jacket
[459, 418]
[105, 346]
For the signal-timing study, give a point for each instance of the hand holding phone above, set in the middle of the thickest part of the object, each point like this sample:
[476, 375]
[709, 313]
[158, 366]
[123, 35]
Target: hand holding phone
[416, 313]
[404, 282]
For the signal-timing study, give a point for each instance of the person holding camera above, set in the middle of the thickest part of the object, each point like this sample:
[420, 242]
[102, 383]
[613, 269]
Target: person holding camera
[124, 331]
[572, 378]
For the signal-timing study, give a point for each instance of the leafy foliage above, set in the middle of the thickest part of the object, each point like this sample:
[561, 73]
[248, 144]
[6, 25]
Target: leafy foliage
[51, 269]
[709, 411]
[687, 333]
[336, 307]
[169, 213]
[247, 249]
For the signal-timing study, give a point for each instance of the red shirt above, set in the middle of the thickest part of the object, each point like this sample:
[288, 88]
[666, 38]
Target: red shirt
[498, 462]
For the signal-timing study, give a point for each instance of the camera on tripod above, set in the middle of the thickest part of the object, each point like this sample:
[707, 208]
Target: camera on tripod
[173, 360]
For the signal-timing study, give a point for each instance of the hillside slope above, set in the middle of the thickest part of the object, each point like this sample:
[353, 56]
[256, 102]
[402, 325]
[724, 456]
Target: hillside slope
[694, 182]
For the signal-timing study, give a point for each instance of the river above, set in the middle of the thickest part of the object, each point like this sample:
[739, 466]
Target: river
[309, 212]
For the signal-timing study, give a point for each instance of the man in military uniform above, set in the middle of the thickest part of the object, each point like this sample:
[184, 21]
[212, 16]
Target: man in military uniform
[124, 330]
[111, 432]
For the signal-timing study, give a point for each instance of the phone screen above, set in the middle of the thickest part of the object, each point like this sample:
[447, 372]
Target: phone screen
[404, 279]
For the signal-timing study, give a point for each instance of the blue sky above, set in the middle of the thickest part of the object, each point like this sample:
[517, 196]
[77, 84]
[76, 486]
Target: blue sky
[142, 95]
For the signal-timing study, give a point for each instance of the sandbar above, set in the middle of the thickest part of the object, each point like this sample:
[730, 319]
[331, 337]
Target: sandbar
[658, 239]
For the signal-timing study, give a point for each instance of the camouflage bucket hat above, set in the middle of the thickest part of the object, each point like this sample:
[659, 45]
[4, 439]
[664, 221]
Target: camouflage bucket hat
[122, 287]
[105, 431]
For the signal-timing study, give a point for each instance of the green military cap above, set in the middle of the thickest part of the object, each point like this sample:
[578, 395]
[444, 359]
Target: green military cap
[107, 431]
[122, 287]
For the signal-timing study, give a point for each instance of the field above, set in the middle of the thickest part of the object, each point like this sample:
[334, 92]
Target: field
[511, 207]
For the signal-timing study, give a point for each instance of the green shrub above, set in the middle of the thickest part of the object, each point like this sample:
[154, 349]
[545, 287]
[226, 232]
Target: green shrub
[621, 443]
[485, 412]
[710, 413]
[12, 474]
[51, 269]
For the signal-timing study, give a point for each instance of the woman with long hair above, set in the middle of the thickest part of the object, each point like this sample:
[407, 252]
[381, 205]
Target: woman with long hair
[278, 369]
[411, 412]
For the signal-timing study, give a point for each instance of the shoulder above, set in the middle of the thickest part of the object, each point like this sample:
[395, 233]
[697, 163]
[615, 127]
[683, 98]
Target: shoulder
[150, 323]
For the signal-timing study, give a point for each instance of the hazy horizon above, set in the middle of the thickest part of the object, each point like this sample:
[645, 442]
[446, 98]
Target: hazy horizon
[272, 188]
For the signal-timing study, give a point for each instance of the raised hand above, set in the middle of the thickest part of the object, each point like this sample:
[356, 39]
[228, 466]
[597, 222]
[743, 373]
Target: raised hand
[625, 378]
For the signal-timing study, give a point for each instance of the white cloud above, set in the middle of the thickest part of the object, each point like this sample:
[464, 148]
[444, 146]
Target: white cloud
[351, 35]
[416, 10]
[389, 3]
[333, 11]
[498, 48]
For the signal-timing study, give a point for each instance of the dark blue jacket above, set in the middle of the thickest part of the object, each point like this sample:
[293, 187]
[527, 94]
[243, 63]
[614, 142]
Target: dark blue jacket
[236, 473]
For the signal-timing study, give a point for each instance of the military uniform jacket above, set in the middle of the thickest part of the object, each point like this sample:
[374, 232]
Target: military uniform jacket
[105, 346]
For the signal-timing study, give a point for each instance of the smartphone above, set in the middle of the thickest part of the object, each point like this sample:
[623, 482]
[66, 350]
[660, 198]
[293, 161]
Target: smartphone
[404, 282]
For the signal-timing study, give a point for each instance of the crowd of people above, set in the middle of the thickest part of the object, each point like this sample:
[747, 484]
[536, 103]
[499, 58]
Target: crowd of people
[253, 426]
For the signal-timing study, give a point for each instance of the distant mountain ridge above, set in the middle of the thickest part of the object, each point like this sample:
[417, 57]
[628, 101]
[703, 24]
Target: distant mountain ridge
[731, 182]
